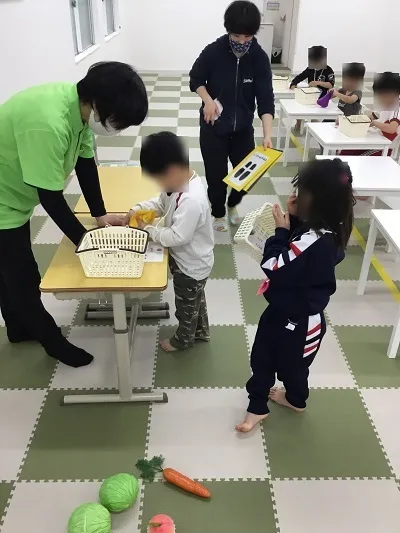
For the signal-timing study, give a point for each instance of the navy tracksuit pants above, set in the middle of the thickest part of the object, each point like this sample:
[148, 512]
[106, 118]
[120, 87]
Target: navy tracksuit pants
[284, 348]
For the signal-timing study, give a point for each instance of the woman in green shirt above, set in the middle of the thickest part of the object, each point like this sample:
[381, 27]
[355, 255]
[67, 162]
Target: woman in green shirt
[45, 133]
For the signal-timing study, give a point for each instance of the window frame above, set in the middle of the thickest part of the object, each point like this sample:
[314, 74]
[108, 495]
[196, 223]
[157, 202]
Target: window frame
[76, 27]
[116, 19]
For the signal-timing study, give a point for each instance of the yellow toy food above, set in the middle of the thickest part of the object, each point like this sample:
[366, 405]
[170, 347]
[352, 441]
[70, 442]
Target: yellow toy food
[147, 216]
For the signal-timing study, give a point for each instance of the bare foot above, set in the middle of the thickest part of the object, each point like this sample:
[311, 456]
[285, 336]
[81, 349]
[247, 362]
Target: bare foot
[167, 346]
[250, 422]
[279, 396]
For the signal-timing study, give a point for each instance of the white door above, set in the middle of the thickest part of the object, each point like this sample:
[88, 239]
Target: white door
[280, 14]
[287, 20]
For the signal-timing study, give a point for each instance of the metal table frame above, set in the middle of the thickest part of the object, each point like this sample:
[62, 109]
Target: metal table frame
[124, 336]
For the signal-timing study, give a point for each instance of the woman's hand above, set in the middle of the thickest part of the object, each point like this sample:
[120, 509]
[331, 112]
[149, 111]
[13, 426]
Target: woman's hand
[110, 220]
[291, 205]
[210, 111]
[282, 220]
[267, 142]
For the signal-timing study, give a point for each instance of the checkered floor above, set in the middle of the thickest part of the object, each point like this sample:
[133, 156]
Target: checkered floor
[334, 468]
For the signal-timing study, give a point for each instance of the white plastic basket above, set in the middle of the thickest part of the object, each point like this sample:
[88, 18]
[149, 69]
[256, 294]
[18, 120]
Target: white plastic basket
[354, 125]
[113, 252]
[256, 228]
[307, 95]
[280, 83]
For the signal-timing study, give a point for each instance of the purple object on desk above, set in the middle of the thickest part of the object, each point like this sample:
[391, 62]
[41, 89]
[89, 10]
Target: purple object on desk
[323, 101]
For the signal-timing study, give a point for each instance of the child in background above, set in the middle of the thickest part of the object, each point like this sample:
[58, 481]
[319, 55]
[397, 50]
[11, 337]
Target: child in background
[187, 232]
[350, 94]
[299, 261]
[386, 89]
[318, 74]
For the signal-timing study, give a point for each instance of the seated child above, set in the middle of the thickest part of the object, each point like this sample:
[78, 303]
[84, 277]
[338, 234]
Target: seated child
[299, 261]
[386, 89]
[187, 232]
[318, 74]
[350, 94]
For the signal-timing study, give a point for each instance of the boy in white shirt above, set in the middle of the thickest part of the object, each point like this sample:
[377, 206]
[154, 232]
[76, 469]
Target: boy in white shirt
[186, 230]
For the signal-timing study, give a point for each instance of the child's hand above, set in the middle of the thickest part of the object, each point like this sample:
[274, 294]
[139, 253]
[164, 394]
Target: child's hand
[313, 84]
[292, 87]
[128, 217]
[141, 224]
[282, 220]
[291, 205]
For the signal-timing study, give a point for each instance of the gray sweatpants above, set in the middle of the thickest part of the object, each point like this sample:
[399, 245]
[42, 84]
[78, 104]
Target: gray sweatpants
[191, 309]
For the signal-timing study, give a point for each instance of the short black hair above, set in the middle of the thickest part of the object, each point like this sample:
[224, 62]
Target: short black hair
[355, 71]
[329, 183]
[117, 92]
[387, 82]
[316, 53]
[160, 151]
[242, 18]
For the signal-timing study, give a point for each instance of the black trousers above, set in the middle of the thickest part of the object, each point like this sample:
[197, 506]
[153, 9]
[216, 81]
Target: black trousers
[216, 150]
[20, 299]
[285, 349]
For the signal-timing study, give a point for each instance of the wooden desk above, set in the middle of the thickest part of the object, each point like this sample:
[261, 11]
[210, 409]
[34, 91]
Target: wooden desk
[66, 280]
[387, 222]
[65, 274]
[122, 188]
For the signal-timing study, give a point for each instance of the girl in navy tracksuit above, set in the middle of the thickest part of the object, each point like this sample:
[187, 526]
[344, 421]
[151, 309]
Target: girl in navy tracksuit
[299, 261]
[230, 75]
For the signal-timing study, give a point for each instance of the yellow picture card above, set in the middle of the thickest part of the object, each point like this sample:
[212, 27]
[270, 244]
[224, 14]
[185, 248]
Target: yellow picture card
[253, 166]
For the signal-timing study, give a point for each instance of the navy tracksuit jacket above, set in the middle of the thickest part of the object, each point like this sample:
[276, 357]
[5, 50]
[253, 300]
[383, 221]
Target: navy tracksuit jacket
[300, 267]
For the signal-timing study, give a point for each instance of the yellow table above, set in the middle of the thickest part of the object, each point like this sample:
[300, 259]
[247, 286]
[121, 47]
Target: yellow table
[122, 188]
[66, 280]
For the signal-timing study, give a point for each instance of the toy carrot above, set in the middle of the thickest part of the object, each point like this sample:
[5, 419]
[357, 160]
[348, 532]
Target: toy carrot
[149, 469]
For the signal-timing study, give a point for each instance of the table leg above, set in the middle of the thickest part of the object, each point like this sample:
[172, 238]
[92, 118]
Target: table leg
[386, 151]
[369, 250]
[124, 337]
[395, 338]
[280, 124]
[306, 145]
[287, 141]
[325, 150]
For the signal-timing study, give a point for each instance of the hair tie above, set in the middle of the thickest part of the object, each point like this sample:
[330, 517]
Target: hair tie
[344, 178]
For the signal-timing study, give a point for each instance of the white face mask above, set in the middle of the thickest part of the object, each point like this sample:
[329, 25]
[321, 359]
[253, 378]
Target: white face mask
[97, 127]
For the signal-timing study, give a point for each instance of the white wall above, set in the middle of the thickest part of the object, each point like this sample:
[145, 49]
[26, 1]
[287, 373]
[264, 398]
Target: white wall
[177, 31]
[36, 43]
[352, 30]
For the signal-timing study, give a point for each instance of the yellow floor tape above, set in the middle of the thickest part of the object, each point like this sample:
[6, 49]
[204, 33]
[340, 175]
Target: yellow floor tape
[387, 280]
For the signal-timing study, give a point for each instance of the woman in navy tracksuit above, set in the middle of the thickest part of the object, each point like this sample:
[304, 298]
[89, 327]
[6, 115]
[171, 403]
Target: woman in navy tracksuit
[299, 262]
[230, 75]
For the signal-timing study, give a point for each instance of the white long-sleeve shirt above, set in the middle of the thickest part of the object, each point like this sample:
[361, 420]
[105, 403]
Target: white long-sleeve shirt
[187, 231]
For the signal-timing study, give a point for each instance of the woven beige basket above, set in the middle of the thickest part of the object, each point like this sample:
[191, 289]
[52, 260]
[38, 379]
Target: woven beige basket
[113, 252]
